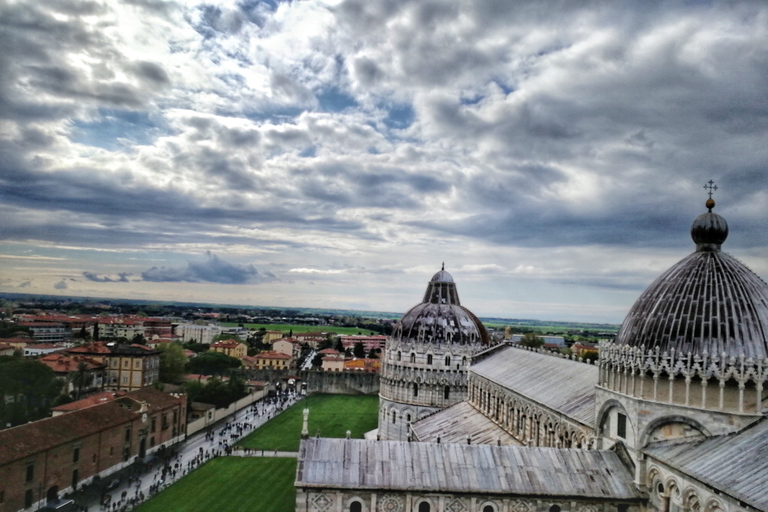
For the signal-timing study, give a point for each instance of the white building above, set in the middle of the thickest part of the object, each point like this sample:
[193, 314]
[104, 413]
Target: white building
[198, 333]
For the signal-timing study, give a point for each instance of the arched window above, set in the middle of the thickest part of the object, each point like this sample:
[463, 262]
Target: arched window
[488, 508]
[355, 506]
[554, 508]
[413, 357]
[464, 361]
[424, 507]
[415, 389]
[399, 355]
[447, 392]
[447, 360]
[429, 358]
[394, 417]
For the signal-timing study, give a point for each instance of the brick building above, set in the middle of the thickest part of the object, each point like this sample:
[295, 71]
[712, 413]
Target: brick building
[43, 459]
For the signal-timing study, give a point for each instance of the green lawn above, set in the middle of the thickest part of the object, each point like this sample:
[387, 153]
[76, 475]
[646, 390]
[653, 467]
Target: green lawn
[287, 328]
[231, 484]
[331, 415]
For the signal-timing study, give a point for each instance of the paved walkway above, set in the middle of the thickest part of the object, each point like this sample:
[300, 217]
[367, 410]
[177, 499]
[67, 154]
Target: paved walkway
[263, 453]
[139, 482]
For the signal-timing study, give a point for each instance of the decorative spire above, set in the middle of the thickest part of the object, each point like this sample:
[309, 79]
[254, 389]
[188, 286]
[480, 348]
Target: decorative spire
[710, 187]
[709, 230]
[443, 267]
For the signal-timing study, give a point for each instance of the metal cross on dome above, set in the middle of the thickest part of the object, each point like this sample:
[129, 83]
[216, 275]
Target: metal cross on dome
[710, 187]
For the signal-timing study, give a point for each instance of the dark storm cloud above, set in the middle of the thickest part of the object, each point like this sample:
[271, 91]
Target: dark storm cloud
[211, 270]
[61, 285]
[151, 72]
[122, 277]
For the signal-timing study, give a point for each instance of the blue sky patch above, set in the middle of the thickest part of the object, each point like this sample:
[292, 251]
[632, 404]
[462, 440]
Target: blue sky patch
[113, 125]
[399, 116]
[333, 100]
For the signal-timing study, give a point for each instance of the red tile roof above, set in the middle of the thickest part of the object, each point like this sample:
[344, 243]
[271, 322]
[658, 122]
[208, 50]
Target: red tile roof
[97, 399]
[25, 440]
[61, 363]
[273, 355]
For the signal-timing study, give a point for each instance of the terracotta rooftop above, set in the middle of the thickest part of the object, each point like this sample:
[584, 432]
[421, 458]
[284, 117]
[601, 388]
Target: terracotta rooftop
[61, 363]
[272, 355]
[25, 440]
[97, 399]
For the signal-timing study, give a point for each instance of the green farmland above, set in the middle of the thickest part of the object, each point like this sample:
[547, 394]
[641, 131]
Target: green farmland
[330, 415]
[297, 329]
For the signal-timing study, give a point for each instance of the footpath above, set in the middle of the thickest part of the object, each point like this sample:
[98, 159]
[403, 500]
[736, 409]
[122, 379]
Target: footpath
[132, 485]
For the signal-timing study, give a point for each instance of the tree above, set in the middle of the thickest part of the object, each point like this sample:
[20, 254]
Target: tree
[27, 390]
[373, 354]
[80, 378]
[531, 340]
[173, 361]
[212, 363]
[358, 350]
[317, 361]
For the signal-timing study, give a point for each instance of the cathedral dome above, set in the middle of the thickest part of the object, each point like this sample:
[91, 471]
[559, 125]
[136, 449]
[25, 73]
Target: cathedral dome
[440, 318]
[708, 303]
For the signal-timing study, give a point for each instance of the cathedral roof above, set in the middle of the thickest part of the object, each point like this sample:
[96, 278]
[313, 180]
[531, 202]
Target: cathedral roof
[709, 302]
[463, 468]
[440, 318]
[457, 422]
[541, 377]
[736, 464]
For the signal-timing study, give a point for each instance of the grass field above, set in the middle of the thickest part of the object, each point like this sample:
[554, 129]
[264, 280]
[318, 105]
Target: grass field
[286, 328]
[331, 415]
[231, 484]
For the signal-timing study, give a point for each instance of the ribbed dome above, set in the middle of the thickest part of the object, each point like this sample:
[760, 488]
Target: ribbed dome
[441, 318]
[708, 302]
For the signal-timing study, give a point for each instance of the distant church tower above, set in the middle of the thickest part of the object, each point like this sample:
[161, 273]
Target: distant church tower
[426, 360]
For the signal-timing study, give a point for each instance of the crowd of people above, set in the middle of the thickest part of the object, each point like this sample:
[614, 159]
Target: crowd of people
[171, 465]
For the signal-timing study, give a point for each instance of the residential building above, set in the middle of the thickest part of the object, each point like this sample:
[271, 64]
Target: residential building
[376, 342]
[232, 348]
[271, 336]
[333, 362]
[362, 364]
[44, 332]
[39, 349]
[193, 333]
[288, 346]
[68, 367]
[273, 361]
[129, 367]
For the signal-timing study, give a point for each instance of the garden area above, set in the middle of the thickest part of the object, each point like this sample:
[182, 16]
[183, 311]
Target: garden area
[265, 484]
[256, 484]
[329, 415]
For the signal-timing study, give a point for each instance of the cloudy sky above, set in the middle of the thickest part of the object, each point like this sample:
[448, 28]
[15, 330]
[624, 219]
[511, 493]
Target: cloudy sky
[334, 153]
